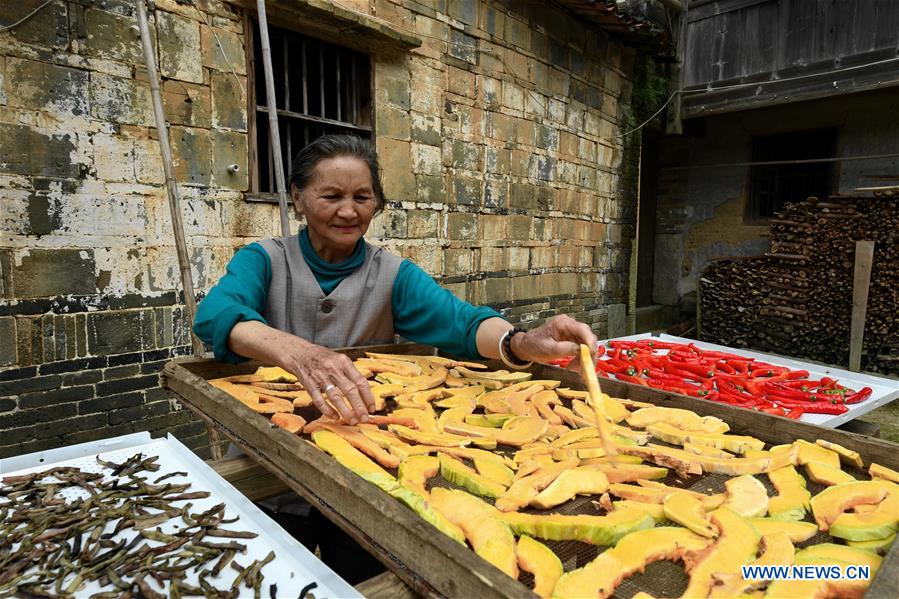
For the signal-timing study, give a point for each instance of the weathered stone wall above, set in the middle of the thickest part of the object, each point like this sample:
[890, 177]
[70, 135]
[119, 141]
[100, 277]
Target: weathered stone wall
[501, 166]
[701, 211]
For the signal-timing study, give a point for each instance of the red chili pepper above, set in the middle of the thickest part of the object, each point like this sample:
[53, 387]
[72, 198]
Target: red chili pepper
[631, 379]
[698, 369]
[725, 368]
[795, 413]
[817, 408]
[776, 410]
[796, 374]
[861, 395]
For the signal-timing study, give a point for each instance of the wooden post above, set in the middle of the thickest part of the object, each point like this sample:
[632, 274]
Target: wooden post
[187, 283]
[675, 124]
[864, 259]
[274, 134]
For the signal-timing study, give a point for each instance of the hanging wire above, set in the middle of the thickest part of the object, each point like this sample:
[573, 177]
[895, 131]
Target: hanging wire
[25, 18]
[218, 43]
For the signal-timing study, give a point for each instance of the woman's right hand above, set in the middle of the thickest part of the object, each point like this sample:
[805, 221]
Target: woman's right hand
[327, 376]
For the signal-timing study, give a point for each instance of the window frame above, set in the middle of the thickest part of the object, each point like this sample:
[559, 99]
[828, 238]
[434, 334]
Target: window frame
[253, 194]
[750, 213]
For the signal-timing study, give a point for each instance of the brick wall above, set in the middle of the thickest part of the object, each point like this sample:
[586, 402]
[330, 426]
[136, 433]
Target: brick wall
[502, 170]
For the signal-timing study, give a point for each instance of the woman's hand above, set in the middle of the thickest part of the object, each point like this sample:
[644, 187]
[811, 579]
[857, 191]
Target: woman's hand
[558, 338]
[327, 376]
[330, 377]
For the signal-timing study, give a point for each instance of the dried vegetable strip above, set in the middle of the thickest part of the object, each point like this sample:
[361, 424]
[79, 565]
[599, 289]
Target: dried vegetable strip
[53, 547]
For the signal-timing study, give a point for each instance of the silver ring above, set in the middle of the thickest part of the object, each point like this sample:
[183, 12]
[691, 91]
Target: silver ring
[329, 387]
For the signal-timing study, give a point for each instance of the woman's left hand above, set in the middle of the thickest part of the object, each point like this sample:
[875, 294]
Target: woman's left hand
[560, 337]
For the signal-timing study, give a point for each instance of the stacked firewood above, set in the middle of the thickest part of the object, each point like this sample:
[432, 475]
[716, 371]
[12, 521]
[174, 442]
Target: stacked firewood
[797, 299]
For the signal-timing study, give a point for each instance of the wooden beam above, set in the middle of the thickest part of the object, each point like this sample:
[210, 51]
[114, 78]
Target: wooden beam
[250, 478]
[386, 586]
[864, 259]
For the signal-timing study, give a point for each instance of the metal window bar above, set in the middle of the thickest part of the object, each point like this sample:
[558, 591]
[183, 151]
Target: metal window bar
[300, 124]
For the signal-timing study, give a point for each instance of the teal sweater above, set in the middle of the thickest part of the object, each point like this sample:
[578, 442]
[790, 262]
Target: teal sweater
[423, 311]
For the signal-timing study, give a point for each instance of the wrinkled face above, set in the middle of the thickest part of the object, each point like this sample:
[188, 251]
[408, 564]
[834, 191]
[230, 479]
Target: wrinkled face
[338, 203]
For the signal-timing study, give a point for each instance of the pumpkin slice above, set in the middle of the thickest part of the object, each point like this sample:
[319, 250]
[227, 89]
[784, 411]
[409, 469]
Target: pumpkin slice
[543, 402]
[488, 420]
[494, 470]
[776, 550]
[575, 436]
[376, 365]
[612, 408]
[596, 530]
[489, 536]
[538, 559]
[272, 405]
[423, 438]
[736, 545]
[352, 458]
[421, 506]
[503, 376]
[274, 374]
[656, 510]
[824, 474]
[688, 512]
[577, 481]
[292, 423]
[682, 419]
[525, 489]
[364, 444]
[746, 496]
[454, 414]
[735, 443]
[707, 450]
[811, 452]
[792, 500]
[623, 472]
[829, 505]
[415, 471]
[423, 418]
[823, 552]
[882, 472]
[818, 589]
[879, 546]
[459, 474]
[632, 554]
[654, 492]
[852, 457]
[797, 532]
[738, 466]
[878, 523]
[472, 453]
[517, 432]
[683, 462]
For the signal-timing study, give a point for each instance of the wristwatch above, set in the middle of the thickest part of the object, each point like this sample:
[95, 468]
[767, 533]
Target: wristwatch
[506, 354]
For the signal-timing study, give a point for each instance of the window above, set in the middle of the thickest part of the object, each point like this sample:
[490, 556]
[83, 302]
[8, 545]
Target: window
[773, 185]
[320, 88]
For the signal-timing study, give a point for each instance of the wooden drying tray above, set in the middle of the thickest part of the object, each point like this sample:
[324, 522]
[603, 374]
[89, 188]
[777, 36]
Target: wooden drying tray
[430, 563]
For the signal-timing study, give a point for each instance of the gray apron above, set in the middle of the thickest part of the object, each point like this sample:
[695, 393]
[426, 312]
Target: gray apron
[357, 312]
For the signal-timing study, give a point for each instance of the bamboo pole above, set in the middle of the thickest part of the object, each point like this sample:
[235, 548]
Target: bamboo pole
[162, 131]
[864, 259]
[274, 134]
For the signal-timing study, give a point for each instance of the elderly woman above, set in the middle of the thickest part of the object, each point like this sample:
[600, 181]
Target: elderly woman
[286, 301]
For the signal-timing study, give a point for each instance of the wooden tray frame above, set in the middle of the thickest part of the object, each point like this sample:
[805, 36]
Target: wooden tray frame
[430, 563]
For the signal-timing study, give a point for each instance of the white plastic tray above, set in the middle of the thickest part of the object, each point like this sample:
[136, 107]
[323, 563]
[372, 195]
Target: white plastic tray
[884, 389]
[292, 569]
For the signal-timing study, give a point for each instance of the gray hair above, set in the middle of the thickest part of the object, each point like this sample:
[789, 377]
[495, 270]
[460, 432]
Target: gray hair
[335, 146]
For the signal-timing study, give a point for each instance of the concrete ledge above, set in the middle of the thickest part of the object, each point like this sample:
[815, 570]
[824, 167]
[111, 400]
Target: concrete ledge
[336, 24]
